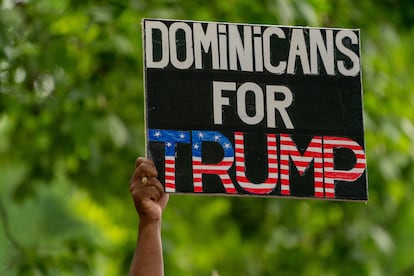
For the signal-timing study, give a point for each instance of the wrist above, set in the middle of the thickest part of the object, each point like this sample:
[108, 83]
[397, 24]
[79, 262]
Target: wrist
[153, 224]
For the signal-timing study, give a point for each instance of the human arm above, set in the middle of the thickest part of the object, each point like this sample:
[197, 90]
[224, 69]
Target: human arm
[149, 199]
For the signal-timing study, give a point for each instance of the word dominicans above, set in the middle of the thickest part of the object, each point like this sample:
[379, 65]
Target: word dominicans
[251, 48]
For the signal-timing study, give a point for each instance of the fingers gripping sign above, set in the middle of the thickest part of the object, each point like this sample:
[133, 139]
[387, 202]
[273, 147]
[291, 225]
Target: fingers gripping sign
[147, 192]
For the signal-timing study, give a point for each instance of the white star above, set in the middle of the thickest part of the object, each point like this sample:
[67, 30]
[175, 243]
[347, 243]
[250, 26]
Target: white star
[200, 135]
[226, 146]
[196, 146]
[217, 137]
[182, 136]
[168, 144]
[157, 134]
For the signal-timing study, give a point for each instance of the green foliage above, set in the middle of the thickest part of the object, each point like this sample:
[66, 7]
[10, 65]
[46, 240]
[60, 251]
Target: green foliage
[71, 125]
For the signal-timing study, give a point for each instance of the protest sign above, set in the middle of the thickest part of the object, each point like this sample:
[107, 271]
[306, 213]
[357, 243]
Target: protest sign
[259, 110]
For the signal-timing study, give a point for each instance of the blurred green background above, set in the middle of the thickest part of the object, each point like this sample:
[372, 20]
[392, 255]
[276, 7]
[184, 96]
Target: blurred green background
[72, 124]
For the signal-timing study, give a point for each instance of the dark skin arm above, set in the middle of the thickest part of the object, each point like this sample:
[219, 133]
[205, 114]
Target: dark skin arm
[150, 200]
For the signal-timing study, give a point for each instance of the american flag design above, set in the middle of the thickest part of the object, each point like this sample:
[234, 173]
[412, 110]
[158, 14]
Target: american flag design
[272, 174]
[170, 138]
[330, 173]
[221, 169]
[317, 158]
[289, 150]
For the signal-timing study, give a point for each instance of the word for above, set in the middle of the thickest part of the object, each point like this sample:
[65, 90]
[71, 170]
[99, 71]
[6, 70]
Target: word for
[219, 100]
[251, 48]
[280, 158]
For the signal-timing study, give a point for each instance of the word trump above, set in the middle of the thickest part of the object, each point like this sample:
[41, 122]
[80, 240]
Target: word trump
[282, 157]
[251, 48]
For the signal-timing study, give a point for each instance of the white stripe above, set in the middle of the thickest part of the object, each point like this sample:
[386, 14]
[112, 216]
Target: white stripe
[270, 175]
[241, 174]
[284, 167]
[273, 165]
[302, 159]
[211, 167]
[239, 164]
[225, 159]
[319, 179]
[272, 156]
[340, 142]
[228, 186]
[329, 190]
[284, 176]
[317, 189]
[169, 158]
[301, 168]
[357, 170]
[293, 148]
[354, 170]
[257, 186]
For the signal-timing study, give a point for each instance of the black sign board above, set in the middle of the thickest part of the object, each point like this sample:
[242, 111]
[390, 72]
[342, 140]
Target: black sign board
[255, 109]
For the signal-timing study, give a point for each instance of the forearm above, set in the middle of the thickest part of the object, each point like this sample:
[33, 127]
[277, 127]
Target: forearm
[148, 259]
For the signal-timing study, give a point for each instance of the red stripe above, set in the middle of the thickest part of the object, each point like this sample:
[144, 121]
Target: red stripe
[342, 175]
[319, 194]
[296, 153]
[227, 164]
[328, 146]
[317, 174]
[330, 165]
[285, 192]
[285, 162]
[170, 178]
[284, 181]
[271, 143]
[214, 171]
[259, 191]
[239, 150]
[231, 190]
[239, 158]
[239, 142]
[227, 181]
[318, 184]
[289, 152]
[318, 165]
[302, 163]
